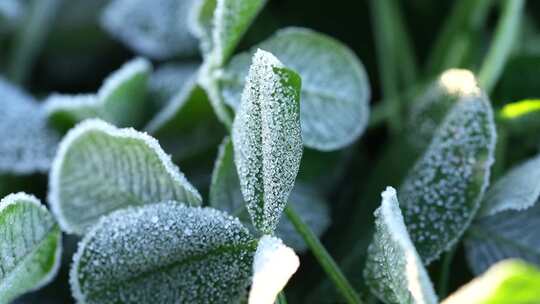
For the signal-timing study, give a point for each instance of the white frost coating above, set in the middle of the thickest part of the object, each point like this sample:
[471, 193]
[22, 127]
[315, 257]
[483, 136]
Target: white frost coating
[158, 30]
[103, 103]
[394, 270]
[163, 253]
[30, 238]
[460, 82]
[518, 190]
[100, 168]
[267, 139]
[335, 89]
[443, 191]
[273, 266]
[27, 145]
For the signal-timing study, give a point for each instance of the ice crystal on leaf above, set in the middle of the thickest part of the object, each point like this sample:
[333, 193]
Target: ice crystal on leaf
[273, 265]
[27, 145]
[30, 246]
[163, 253]
[267, 139]
[335, 91]
[394, 270]
[99, 169]
[158, 29]
[442, 192]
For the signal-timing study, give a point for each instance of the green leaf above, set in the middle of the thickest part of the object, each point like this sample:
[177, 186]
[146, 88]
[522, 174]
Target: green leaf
[508, 220]
[273, 266]
[201, 22]
[187, 125]
[335, 90]
[394, 270]
[163, 253]
[158, 30]
[121, 99]
[231, 20]
[27, 145]
[510, 281]
[99, 169]
[443, 190]
[168, 80]
[267, 139]
[30, 246]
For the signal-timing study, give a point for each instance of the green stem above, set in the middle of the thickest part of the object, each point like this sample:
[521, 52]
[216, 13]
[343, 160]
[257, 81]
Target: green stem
[505, 37]
[324, 258]
[30, 38]
[281, 299]
[444, 276]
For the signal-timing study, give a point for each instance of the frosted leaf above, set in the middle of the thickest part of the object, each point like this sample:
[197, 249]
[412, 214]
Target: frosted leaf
[27, 145]
[231, 20]
[158, 30]
[120, 100]
[99, 169]
[443, 190]
[168, 80]
[518, 190]
[200, 22]
[335, 90]
[163, 253]
[30, 246]
[510, 281]
[225, 194]
[429, 110]
[273, 265]
[508, 222]
[267, 140]
[187, 125]
[394, 271]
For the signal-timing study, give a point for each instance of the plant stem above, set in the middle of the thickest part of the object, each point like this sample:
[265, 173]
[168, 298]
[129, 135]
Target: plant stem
[505, 37]
[444, 277]
[281, 299]
[30, 38]
[324, 258]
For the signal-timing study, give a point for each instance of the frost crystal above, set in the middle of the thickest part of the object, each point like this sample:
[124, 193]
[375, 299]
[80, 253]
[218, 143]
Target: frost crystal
[442, 192]
[120, 99]
[163, 253]
[99, 169]
[394, 270]
[158, 29]
[273, 266]
[30, 246]
[27, 145]
[267, 139]
[335, 89]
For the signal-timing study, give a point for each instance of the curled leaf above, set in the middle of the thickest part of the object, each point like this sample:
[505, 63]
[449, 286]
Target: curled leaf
[163, 253]
[99, 169]
[267, 140]
[30, 246]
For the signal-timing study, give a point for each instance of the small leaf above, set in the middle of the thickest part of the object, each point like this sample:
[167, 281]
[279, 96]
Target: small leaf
[163, 253]
[168, 80]
[30, 246]
[273, 266]
[507, 282]
[120, 100]
[27, 145]
[225, 194]
[158, 30]
[99, 169]
[394, 270]
[267, 140]
[508, 221]
[442, 192]
[335, 90]
[231, 20]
